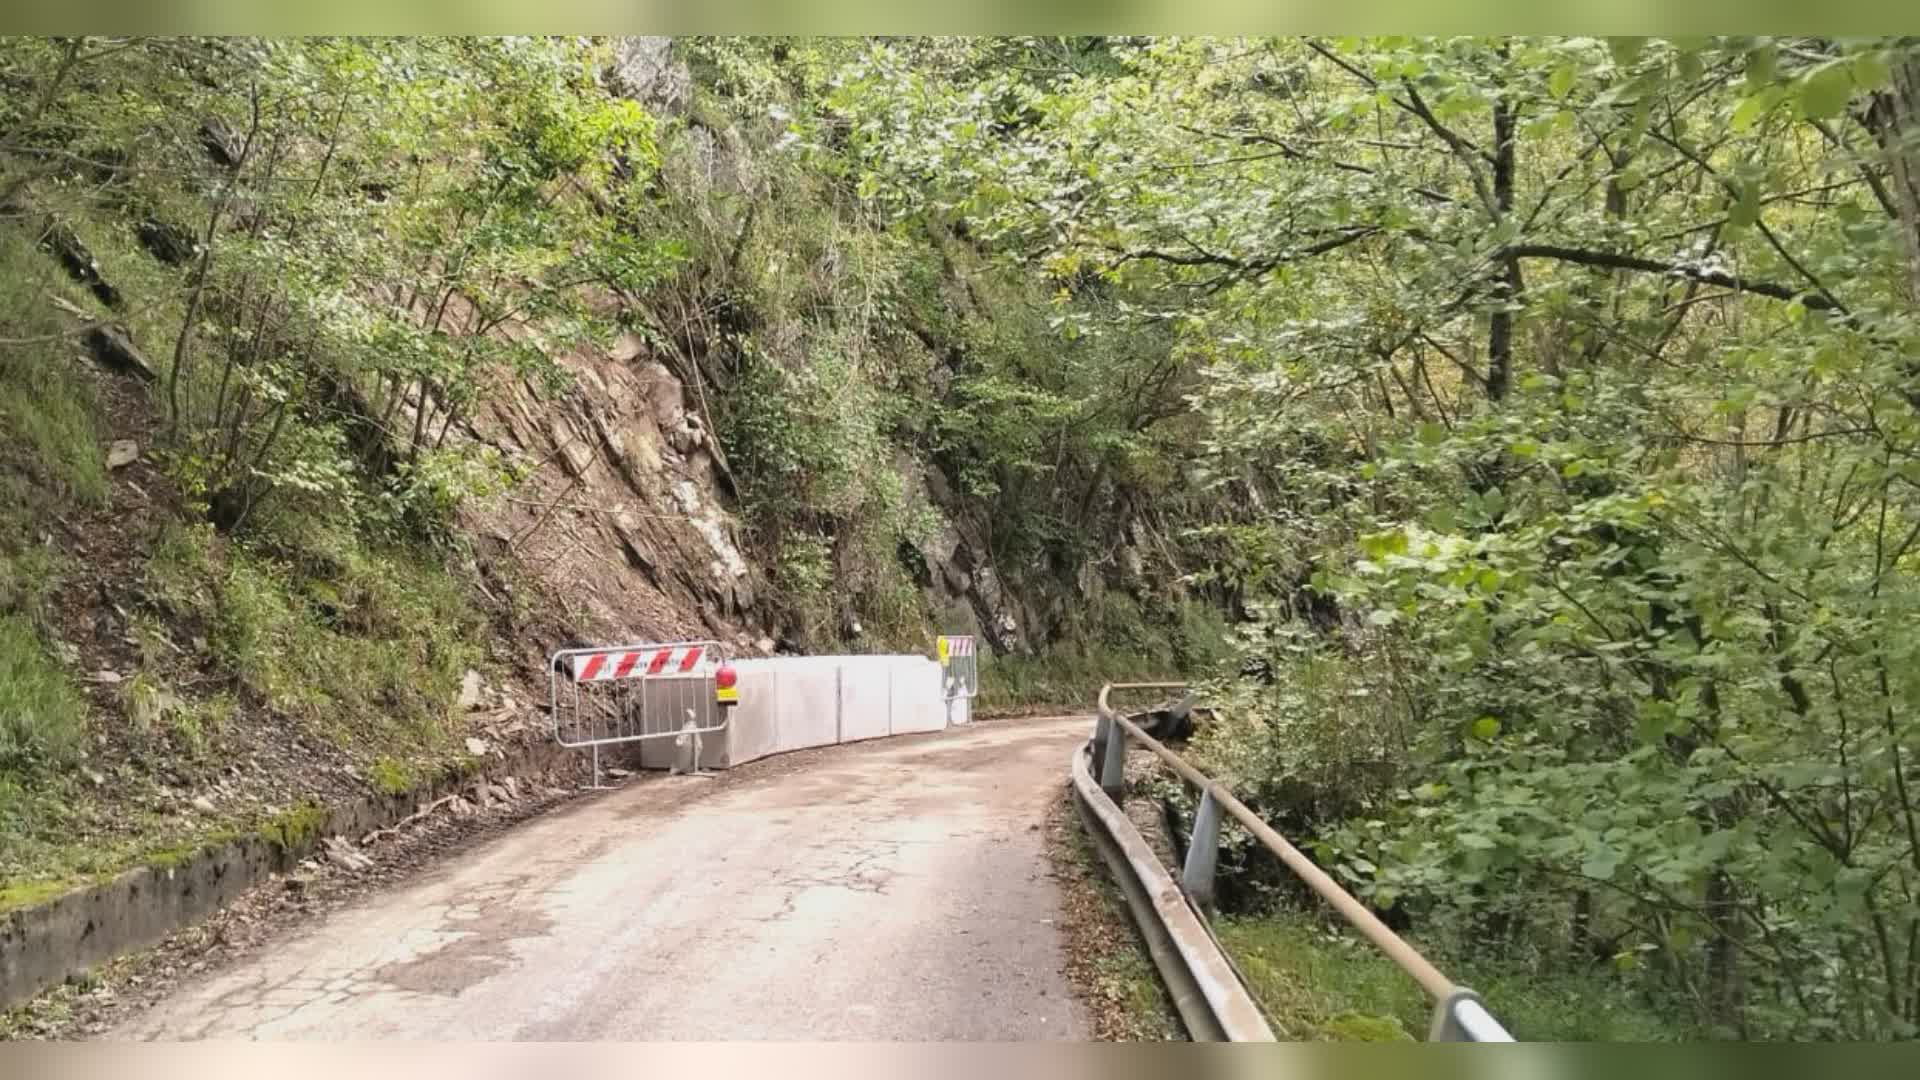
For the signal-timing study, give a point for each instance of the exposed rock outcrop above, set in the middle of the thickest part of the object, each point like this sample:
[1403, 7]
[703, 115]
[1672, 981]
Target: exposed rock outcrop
[623, 518]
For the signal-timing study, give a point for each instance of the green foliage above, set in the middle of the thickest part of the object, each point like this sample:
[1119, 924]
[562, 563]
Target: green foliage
[1552, 437]
[29, 571]
[46, 407]
[390, 776]
[181, 569]
[365, 645]
[1110, 638]
[1317, 983]
[808, 437]
[804, 575]
[1068, 676]
[42, 716]
[814, 400]
[1317, 739]
[386, 230]
[855, 346]
[391, 231]
[379, 648]
[253, 630]
[294, 829]
[1200, 640]
[1541, 410]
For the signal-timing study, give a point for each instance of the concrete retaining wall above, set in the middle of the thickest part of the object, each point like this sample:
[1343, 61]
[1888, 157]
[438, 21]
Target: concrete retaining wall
[42, 945]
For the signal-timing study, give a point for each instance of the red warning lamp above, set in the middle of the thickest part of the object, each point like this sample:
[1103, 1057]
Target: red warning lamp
[725, 677]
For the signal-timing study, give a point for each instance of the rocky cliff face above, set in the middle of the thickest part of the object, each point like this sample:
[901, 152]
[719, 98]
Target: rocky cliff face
[627, 524]
[623, 521]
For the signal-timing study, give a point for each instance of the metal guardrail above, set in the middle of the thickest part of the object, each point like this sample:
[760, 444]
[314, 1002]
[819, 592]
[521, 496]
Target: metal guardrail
[1458, 1015]
[1206, 991]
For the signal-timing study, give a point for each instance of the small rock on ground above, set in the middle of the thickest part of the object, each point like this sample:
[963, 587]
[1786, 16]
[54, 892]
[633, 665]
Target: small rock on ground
[470, 691]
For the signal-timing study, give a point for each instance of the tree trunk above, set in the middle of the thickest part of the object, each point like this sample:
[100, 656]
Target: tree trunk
[1903, 100]
[1894, 117]
[1507, 289]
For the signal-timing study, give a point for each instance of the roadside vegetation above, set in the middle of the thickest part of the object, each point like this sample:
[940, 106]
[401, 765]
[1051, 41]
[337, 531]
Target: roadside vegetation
[1317, 981]
[228, 559]
[1546, 424]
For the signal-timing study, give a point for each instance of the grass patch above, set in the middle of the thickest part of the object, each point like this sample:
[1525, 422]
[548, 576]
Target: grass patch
[1321, 983]
[49, 413]
[28, 893]
[1058, 679]
[56, 835]
[29, 571]
[293, 829]
[1115, 639]
[182, 569]
[42, 716]
[365, 646]
[167, 858]
[1317, 984]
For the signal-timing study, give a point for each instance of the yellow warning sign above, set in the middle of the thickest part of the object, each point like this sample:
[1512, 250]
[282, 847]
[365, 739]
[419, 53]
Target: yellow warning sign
[727, 694]
[941, 647]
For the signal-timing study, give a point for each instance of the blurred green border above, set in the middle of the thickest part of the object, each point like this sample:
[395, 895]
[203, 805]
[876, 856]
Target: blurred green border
[978, 17]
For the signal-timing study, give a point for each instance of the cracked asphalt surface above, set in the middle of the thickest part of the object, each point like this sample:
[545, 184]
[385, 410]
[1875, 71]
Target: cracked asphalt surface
[896, 889]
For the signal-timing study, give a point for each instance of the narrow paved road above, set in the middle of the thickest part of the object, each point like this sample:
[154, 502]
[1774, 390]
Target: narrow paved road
[896, 889]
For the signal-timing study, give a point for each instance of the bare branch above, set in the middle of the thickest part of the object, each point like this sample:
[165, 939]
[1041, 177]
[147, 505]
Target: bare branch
[1613, 261]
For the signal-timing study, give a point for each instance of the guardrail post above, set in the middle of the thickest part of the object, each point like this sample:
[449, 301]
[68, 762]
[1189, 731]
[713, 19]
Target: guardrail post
[1101, 726]
[1113, 763]
[1180, 710]
[1460, 1017]
[1203, 852]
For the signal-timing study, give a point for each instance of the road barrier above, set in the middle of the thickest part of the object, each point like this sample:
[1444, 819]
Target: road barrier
[1458, 1015]
[634, 693]
[797, 702]
[959, 668]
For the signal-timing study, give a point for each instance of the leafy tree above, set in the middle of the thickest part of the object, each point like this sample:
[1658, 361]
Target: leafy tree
[1561, 387]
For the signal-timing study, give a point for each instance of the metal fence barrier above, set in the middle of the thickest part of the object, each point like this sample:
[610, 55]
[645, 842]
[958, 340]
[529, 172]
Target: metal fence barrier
[628, 693]
[1458, 1014]
[959, 667]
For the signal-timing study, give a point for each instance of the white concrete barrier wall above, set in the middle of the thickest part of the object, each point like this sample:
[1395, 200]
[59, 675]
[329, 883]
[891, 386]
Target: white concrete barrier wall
[806, 702]
[914, 701]
[866, 695]
[750, 733]
[796, 702]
